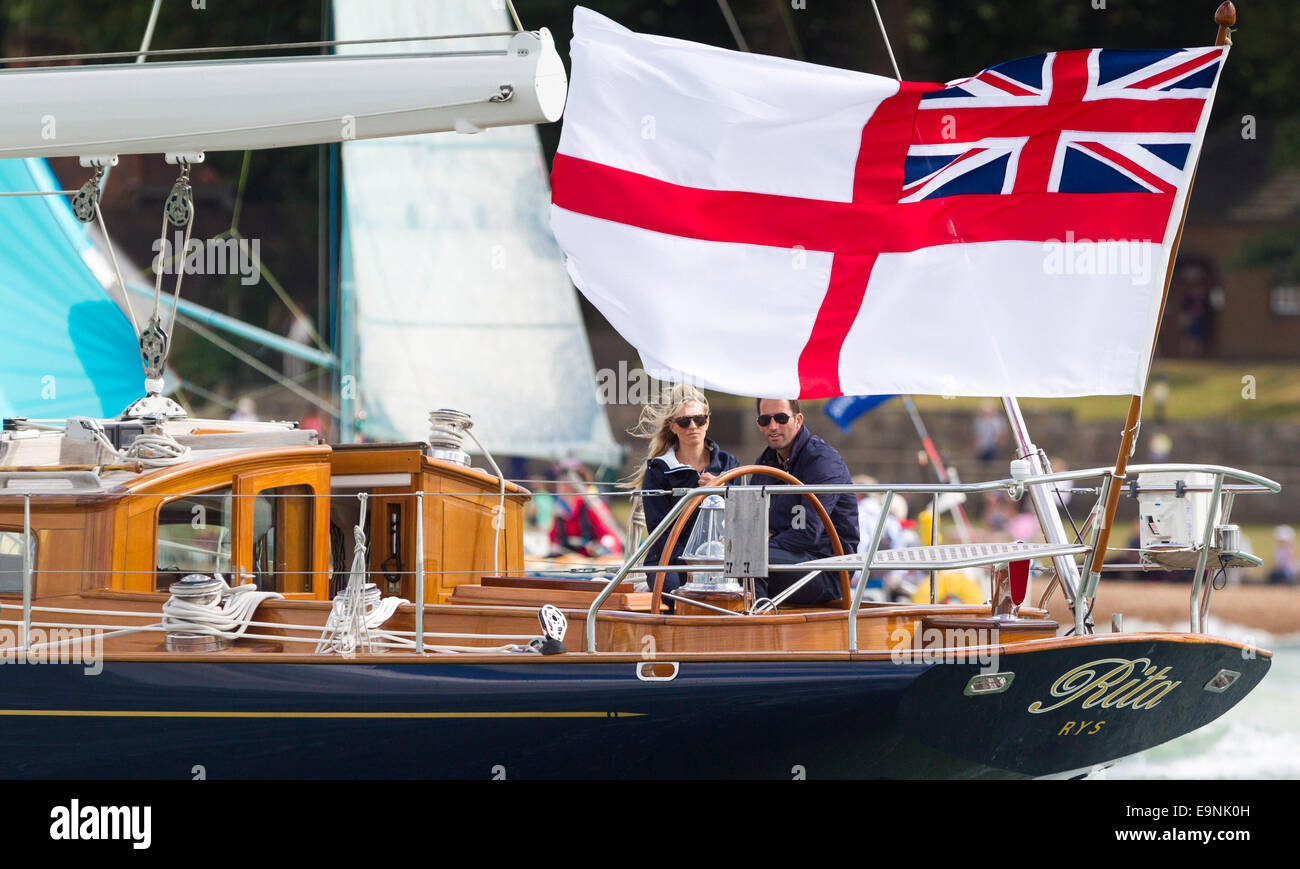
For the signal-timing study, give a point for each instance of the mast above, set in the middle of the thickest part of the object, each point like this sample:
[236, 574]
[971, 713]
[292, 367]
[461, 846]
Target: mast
[1225, 17]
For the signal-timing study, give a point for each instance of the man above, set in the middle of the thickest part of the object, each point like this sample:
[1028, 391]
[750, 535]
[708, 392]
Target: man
[795, 531]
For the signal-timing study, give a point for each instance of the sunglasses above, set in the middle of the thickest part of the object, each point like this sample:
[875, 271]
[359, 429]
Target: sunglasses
[765, 418]
[700, 419]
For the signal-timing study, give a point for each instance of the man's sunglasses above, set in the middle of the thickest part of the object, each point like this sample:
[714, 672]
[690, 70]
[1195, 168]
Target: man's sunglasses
[765, 418]
[684, 422]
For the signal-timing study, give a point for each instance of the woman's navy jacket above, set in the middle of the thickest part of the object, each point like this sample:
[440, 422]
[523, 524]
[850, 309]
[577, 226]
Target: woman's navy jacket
[666, 472]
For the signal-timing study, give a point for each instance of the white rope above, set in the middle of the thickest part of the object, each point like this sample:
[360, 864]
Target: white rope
[379, 643]
[228, 616]
[285, 626]
[353, 620]
[514, 15]
[152, 449]
[353, 624]
[889, 48]
[344, 627]
[112, 255]
[148, 31]
[156, 450]
[499, 518]
[732, 25]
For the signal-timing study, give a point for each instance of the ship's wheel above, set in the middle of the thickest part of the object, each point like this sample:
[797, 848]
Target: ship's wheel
[656, 595]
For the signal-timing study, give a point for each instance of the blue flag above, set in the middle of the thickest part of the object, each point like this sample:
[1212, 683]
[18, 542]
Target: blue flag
[844, 409]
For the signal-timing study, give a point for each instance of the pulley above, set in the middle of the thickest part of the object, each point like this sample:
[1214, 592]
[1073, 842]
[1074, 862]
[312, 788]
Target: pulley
[180, 202]
[154, 346]
[87, 197]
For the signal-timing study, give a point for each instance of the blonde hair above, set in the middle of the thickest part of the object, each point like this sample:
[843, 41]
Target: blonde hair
[656, 425]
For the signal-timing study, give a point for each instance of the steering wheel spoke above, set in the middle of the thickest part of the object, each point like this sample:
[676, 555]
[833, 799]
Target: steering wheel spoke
[657, 588]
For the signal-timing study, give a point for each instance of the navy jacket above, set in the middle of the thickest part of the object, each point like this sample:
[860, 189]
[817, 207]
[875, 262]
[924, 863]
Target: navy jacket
[812, 460]
[666, 472]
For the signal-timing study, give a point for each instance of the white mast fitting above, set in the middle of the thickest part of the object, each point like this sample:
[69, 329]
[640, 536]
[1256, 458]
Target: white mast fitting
[186, 108]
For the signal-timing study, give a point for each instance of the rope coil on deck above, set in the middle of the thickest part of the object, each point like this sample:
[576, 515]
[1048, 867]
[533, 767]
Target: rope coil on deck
[225, 613]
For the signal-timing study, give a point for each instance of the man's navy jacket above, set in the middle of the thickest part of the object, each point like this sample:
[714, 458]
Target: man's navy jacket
[812, 460]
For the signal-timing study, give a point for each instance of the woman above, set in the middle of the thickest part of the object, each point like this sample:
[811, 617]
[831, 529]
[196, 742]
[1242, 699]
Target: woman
[680, 456]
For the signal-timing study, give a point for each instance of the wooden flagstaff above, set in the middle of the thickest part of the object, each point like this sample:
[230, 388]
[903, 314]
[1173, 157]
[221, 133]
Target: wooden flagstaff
[1225, 16]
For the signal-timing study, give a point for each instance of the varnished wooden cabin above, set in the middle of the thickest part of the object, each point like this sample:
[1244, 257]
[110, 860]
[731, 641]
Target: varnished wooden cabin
[294, 504]
[267, 503]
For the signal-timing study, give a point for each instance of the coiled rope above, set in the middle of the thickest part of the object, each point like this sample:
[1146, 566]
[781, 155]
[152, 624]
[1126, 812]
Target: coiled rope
[226, 616]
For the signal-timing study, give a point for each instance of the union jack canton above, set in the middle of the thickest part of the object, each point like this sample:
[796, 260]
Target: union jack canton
[1091, 121]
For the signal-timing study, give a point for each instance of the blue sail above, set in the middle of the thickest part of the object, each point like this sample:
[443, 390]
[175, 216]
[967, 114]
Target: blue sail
[66, 348]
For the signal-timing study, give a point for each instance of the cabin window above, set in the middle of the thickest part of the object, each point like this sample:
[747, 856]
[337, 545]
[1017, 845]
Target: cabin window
[11, 560]
[282, 539]
[194, 536]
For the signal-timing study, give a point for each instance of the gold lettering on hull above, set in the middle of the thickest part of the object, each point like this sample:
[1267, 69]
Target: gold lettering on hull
[1080, 728]
[1110, 683]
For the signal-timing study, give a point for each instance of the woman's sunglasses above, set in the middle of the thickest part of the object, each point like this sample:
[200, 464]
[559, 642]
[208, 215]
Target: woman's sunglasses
[684, 422]
[765, 418]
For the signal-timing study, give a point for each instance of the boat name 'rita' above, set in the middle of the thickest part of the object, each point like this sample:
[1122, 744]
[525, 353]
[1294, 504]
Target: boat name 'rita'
[1135, 684]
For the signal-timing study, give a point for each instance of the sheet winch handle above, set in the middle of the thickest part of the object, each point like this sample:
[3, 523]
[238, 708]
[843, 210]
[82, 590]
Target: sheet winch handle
[656, 593]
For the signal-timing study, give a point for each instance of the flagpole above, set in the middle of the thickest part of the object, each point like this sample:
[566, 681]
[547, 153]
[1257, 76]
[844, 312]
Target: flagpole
[1225, 17]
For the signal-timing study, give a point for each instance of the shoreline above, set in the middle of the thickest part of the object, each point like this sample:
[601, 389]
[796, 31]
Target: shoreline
[1271, 608]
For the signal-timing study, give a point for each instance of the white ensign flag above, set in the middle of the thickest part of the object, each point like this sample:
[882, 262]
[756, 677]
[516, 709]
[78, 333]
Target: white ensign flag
[767, 227]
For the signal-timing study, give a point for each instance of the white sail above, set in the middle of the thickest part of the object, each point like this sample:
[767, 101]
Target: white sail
[220, 105]
[451, 280]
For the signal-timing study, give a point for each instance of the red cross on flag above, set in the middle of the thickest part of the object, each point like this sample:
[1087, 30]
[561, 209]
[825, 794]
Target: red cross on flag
[767, 227]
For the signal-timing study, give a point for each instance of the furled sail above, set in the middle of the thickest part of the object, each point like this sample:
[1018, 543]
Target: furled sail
[66, 347]
[452, 289]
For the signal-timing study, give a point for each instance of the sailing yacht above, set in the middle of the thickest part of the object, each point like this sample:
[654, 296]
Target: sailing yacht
[284, 607]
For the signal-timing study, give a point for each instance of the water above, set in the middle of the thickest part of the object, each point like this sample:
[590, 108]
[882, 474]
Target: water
[1259, 738]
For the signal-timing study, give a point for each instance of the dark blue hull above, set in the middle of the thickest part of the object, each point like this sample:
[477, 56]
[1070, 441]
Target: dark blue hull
[586, 719]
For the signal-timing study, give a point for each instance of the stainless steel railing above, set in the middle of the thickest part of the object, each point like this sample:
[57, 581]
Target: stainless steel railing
[1249, 483]
[1226, 484]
